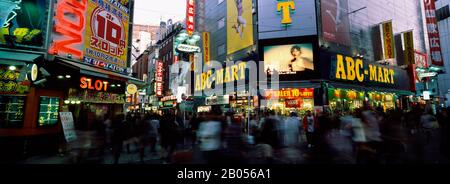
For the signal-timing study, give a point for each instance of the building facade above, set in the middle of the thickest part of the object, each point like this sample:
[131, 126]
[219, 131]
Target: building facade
[54, 67]
[443, 15]
[353, 53]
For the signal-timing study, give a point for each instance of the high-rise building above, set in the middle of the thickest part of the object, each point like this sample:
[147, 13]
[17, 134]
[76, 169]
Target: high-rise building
[342, 54]
[443, 17]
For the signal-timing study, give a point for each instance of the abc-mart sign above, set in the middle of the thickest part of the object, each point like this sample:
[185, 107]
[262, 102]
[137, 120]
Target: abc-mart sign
[91, 31]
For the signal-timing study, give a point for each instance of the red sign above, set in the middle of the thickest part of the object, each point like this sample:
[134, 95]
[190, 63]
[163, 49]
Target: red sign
[69, 25]
[290, 93]
[99, 85]
[159, 78]
[190, 14]
[295, 103]
[335, 21]
[433, 33]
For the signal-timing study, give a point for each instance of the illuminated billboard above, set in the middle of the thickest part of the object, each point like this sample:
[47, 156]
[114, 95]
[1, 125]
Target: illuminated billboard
[288, 59]
[23, 23]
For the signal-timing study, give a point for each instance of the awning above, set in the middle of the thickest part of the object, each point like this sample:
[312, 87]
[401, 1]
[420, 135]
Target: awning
[297, 84]
[89, 70]
[17, 58]
[368, 88]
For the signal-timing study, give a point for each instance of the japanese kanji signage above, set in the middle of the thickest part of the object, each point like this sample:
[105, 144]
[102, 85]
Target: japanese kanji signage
[433, 33]
[190, 14]
[159, 78]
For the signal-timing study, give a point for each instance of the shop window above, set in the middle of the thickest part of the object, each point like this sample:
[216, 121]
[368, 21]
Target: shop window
[12, 111]
[48, 111]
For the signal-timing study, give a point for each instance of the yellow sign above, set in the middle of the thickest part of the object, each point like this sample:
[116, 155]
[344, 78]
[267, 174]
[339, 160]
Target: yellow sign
[349, 69]
[106, 37]
[285, 9]
[225, 75]
[131, 89]
[206, 51]
[239, 25]
[388, 40]
[409, 48]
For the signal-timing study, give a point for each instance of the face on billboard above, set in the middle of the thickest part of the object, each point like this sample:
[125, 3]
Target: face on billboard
[239, 25]
[23, 23]
[335, 21]
[288, 59]
[286, 18]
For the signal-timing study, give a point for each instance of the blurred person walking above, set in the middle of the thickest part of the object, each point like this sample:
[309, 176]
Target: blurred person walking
[118, 136]
[310, 125]
[210, 136]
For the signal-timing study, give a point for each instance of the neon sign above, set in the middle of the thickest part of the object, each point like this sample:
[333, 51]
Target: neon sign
[70, 22]
[159, 78]
[88, 83]
[190, 13]
[286, 7]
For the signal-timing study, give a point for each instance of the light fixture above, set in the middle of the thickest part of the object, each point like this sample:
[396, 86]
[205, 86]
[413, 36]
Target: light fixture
[68, 76]
[78, 102]
[66, 101]
[12, 68]
[60, 77]
[118, 85]
[72, 102]
[113, 85]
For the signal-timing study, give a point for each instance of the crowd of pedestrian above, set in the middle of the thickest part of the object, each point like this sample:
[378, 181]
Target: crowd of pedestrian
[363, 136]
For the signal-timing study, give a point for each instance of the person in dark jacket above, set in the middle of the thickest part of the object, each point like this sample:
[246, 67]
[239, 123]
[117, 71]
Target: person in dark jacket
[118, 136]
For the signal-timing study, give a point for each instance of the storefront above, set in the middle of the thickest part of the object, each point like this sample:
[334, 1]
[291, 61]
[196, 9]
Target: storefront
[349, 100]
[167, 103]
[356, 83]
[90, 93]
[288, 100]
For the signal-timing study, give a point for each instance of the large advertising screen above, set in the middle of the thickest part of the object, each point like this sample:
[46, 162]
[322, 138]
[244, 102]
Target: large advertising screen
[335, 21]
[288, 59]
[286, 18]
[239, 25]
[23, 23]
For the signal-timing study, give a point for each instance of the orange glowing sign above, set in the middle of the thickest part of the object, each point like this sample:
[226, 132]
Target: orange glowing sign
[290, 93]
[69, 26]
[88, 83]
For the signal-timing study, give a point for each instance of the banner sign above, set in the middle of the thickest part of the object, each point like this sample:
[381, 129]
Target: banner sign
[290, 93]
[159, 78]
[388, 40]
[206, 51]
[190, 17]
[408, 41]
[433, 33]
